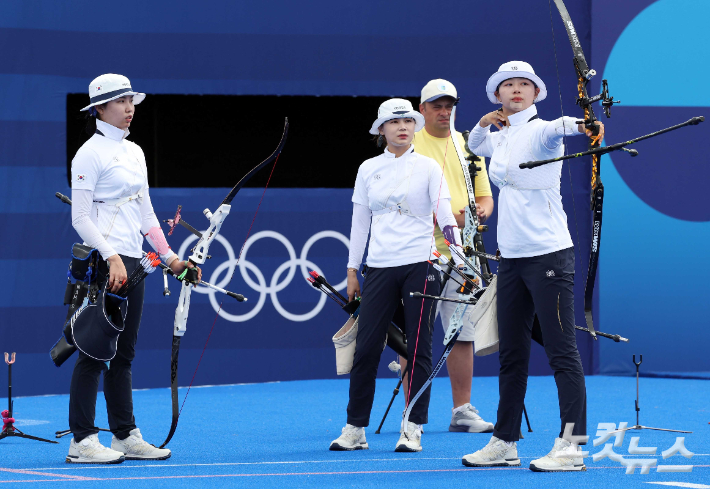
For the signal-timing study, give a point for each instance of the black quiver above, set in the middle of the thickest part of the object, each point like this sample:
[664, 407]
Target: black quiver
[84, 270]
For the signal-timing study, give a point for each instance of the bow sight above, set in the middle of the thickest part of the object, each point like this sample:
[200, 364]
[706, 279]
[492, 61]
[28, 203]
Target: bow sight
[606, 99]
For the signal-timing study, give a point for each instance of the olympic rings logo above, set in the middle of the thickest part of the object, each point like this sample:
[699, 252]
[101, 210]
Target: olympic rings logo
[260, 285]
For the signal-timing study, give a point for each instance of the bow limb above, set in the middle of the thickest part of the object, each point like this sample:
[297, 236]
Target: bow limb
[452, 334]
[174, 388]
[253, 171]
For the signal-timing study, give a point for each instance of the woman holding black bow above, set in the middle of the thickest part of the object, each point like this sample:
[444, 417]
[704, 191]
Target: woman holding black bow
[112, 212]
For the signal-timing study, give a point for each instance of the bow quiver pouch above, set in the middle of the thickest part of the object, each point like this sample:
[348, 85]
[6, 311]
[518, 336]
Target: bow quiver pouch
[345, 341]
[484, 319]
[83, 268]
[84, 263]
[95, 326]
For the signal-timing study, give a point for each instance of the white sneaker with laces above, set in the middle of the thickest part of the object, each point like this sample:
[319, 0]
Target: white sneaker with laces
[465, 419]
[136, 448]
[562, 458]
[351, 438]
[496, 454]
[90, 451]
[410, 440]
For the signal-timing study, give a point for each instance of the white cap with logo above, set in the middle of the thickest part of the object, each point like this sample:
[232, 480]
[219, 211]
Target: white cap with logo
[436, 89]
[514, 69]
[109, 87]
[396, 108]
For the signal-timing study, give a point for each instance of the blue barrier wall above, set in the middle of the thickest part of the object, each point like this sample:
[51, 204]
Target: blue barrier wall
[49, 49]
[654, 273]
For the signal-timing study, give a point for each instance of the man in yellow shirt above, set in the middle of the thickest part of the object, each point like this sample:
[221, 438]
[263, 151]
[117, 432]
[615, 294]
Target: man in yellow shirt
[437, 101]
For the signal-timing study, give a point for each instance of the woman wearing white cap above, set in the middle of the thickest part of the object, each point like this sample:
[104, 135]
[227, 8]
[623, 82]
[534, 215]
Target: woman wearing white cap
[536, 271]
[112, 212]
[394, 199]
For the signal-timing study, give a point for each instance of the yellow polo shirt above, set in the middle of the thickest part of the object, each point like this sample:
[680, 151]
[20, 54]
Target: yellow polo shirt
[442, 149]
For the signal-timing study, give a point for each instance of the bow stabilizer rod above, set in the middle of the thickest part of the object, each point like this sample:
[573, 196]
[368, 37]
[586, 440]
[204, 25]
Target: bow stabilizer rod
[615, 147]
[439, 298]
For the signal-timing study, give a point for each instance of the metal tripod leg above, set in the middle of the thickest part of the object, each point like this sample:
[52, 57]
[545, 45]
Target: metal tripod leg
[638, 425]
[9, 430]
[8, 433]
[394, 394]
[527, 420]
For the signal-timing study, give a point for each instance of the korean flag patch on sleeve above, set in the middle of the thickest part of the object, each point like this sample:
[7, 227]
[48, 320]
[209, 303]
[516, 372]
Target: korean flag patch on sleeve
[80, 178]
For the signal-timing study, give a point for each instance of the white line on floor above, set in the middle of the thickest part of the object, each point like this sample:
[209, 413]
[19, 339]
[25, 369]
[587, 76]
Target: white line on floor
[681, 484]
[282, 462]
[285, 462]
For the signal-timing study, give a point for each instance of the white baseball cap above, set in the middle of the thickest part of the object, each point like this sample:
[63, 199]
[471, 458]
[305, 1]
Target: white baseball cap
[436, 89]
[396, 108]
[514, 69]
[110, 87]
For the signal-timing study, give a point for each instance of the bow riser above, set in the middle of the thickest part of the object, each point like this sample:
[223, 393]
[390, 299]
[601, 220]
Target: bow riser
[199, 252]
[471, 218]
[471, 223]
[456, 322]
[198, 257]
[182, 310]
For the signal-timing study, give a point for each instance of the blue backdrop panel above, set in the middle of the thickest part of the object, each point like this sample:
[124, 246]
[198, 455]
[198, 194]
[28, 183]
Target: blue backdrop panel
[657, 221]
[317, 48]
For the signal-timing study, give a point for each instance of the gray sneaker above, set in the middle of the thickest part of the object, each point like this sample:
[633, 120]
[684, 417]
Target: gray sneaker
[467, 420]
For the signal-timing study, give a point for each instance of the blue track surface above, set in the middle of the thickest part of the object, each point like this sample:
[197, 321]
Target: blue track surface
[273, 435]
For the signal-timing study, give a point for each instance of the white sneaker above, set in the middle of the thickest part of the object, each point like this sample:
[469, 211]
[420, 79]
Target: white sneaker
[496, 454]
[90, 451]
[562, 458]
[135, 448]
[404, 411]
[465, 419]
[410, 440]
[352, 438]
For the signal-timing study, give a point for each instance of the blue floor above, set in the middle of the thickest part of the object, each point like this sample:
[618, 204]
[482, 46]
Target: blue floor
[275, 435]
